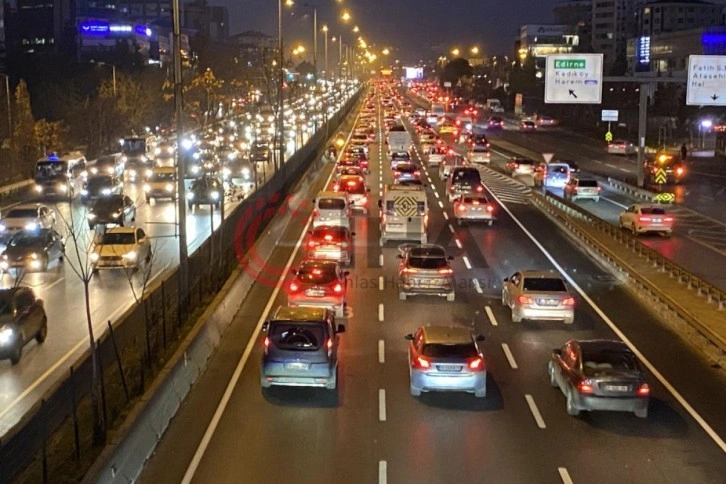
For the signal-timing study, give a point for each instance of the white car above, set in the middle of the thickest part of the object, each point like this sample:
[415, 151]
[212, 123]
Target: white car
[640, 219]
[120, 248]
[621, 147]
[27, 216]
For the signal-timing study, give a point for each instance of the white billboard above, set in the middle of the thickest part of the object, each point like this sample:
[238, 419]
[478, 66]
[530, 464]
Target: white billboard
[414, 72]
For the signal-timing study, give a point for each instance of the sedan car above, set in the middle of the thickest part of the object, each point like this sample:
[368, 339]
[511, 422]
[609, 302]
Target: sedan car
[495, 122]
[33, 251]
[22, 318]
[640, 219]
[27, 216]
[538, 295]
[112, 210]
[581, 189]
[406, 172]
[446, 358]
[327, 242]
[425, 270]
[622, 147]
[519, 167]
[121, 248]
[528, 126]
[599, 375]
[320, 283]
[206, 190]
[473, 208]
[346, 162]
[399, 157]
[355, 187]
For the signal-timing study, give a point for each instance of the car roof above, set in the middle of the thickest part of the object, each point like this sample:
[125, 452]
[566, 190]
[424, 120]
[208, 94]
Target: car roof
[446, 334]
[532, 274]
[307, 314]
[602, 344]
[121, 230]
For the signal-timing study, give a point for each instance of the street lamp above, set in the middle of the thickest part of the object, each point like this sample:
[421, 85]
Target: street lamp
[356, 29]
[705, 126]
[280, 84]
[386, 51]
[455, 52]
[474, 50]
[7, 96]
[325, 35]
[345, 16]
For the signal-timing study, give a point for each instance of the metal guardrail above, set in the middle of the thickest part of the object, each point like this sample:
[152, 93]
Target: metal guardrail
[570, 214]
[631, 190]
[14, 187]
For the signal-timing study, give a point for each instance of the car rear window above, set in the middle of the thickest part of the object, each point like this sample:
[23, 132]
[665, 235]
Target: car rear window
[331, 204]
[466, 176]
[475, 200]
[595, 359]
[544, 284]
[524, 161]
[406, 167]
[652, 211]
[427, 262]
[297, 336]
[316, 274]
[401, 155]
[439, 350]
[22, 213]
[559, 169]
[587, 183]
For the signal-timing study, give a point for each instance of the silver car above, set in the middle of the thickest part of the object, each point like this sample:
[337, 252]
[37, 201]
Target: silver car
[599, 375]
[446, 358]
[27, 216]
[473, 208]
[538, 295]
[301, 348]
[425, 270]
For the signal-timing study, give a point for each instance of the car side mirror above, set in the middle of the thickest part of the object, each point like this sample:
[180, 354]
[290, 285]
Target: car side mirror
[265, 326]
[409, 337]
[480, 337]
[557, 351]
[340, 328]
[506, 279]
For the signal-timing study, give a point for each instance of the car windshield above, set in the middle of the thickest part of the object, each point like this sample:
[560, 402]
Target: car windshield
[26, 240]
[554, 284]
[99, 181]
[406, 167]
[476, 200]
[401, 155]
[118, 238]
[162, 177]
[652, 211]
[22, 213]
[457, 350]
[587, 183]
[466, 176]
[297, 336]
[50, 169]
[317, 273]
[595, 359]
[107, 204]
[427, 262]
[331, 204]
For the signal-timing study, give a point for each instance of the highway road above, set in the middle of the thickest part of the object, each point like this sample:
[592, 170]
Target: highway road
[61, 289]
[372, 430]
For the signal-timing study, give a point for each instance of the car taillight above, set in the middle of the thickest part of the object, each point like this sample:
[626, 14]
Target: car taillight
[490, 207]
[446, 270]
[525, 300]
[568, 301]
[416, 173]
[329, 346]
[461, 207]
[476, 364]
[338, 288]
[422, 362]
[643, 219]
[598, 189]
[316, 212]
[479, 188]
[294, 286]
[679, 170]
[408, 270]
[643, 390]
[668, 219]
[266, 343]
[451, 152]
[312, 244]
[328, 238]
[351, 183]
[585, 386]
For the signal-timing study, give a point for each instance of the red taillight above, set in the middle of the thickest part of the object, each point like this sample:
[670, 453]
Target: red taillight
[416, 173]
[479, 188]
[490, 208]
[329, 346]
[585, 386]
[352, 183]
[598, 189]
[458, 123]
[312, 244]
[668, 219]
[328, 238]
[568, 301]
[643, 390]
[316, 212]
[525, 300]
[421, 362]
[461, 207]
[338, 288]
[445, 270]
[451, 152]
[644, 219]
[294, 286]
[679, 170]
[476, 364]
[266, 342]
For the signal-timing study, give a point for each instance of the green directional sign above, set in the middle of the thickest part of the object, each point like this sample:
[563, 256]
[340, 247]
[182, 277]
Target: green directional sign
[608, 136]
[660, 176]
[665, 197]
[570, 64]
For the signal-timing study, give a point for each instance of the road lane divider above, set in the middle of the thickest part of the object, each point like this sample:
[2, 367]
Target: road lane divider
[564, 475]
[380, 260]
[382, 472]
[451, 228]
[381, 405]
[535, 411]
[446, 215]
[441, 204]
[381, 351]
[458, 243]
[466, 261]
[510, 357]
[477, 287]
[380, 312]
[490, 313]
[380, 283]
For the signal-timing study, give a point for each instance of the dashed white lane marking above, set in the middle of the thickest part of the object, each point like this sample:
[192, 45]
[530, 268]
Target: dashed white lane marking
[382, 472]
[451, 227]
[429, 179]
[380, 260]
[381, 405]
[466, 262]
[614, 202]
[441, 205]
[509, 355]
[380, 312]
[477, 286]
[564, 475]
[458, 243]
[490, 314]
[446, 216]
[380, 283]
[381, 351]
[436, 194]
[535, 411]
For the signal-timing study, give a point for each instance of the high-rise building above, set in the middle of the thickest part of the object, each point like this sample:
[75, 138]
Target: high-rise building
[577, 13]
[211, 21]
[142, 11]
[538, 41]
[662, 16]
[613, 22]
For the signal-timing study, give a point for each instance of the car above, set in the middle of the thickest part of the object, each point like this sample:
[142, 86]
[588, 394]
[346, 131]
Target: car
[463, 180]
[107, 165]
[97, 186]
[519, 166]
[640, 219]
[555, 175]
[22, 318]
[320, 283]
[622, 147]
[546, 121]
[33, 251]
[538, 295]
[495, 122]
[528, 126]
[346, 162]
[473, 208]
[448, 128]
[581, 188]
[407, 171]
[351, 171]
[206, 190]
[477, 139]
[27, 216]
[478, 154]
[300, 348]
[667, 164]
[355, 187]
[399, 157]
[451, 160]
[161, 183]
[112, 210]
[120, 248]
[446, 358]
[574, 167]
[599, 375]
[332, 208]
[326, 242]
[424, 269]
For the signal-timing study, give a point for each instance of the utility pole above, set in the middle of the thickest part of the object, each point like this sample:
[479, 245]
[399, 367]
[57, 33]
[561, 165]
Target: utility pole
[315, 47]
[280, 85]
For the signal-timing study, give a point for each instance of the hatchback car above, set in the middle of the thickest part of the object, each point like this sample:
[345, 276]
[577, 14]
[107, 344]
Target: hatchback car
[640, 219]
[319, 283]
[478, 154]
[495, 122]
[519, 167]
[581, 189]
[425, 270]
[330, 243]
[446, 358]
[355, 187]
[407, 171]
[463, 181]
[473, 208]
[27, 216]
[332, 208]
[436, 155]
[622, 147]
[528, 126]
[300, 348]
[97, 186]
[346, 162]
[599, 375]
[22, 318]
[33, 251]
[399, 157]
[538, 295]
[112, 210]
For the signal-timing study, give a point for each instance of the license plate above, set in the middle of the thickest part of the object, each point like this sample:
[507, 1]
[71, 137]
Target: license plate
[297, 366]
[548, 302]
[657, 220]
[314, 293]
[448, 367]
[617, 388]
[395, 225]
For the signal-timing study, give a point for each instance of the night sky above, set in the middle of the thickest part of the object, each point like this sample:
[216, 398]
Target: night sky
[419, 28]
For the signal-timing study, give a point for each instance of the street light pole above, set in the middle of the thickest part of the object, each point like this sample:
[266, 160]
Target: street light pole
[325, 35]
[7, 98]
[113, 77]
[315, 46]
[280, 84]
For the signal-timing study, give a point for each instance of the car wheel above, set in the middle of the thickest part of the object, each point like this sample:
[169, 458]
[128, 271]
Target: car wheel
[451, 297]
[415, 392]
[553, 379]
[571, 408]
[516, 319]
[480, 393]
[401, 295]
[17, 354]
[642, 413]
[42, 332]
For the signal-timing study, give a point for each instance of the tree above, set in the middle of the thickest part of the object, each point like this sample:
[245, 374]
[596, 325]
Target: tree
[455, 70]
[208, 86]
[50, 136]
[23, 140]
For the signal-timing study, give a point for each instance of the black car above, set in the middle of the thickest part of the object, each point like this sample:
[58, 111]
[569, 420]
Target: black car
[495, 122]
[205, 191]
[22, 318]
[97, 186]
[574, 167]
[107, 165]
[112, 210]
[34, 251]
[478, 140]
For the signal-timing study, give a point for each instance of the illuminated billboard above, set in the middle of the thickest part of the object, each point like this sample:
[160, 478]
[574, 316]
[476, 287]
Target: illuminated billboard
[414, 72]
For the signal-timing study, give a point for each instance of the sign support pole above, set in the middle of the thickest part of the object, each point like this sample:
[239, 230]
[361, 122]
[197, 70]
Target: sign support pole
[642, 125]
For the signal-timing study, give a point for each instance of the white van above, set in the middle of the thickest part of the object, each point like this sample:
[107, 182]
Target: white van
[332, 208]
[552, 175]
[404, 213]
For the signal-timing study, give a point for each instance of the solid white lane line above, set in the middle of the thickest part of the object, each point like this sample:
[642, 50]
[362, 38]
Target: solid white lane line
[477, 286]
[458, 243]
[614, 202]
[380, 312]
[451, 227]
[490, 315]
[446, 215]
[441, 204]
[381, 351]
[510, 356]
[380, 260]
[564, 475]
[382, 472]
[381, 405]
[53, 284]
[466, 262]
[380, 283]
[535, 411]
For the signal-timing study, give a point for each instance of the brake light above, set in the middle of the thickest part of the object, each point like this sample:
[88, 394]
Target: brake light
[525, 300]
[479, 189]
[598, 189]
[461, 207]
[458, 123]
[643, 219]
[585, 386]
[490, 208]
[294, 286]
[312, 244]
[668, 219]
[328, 238]
[421, 362]
[452, 188]
[338, 288]
[317, 272]
[316, 212]
[476, 364]
[329, 346]
[451, 151]
[643, 390]
[408, 270]
[446, 270]
[351, 183]
[266, 343]
[679, 170]
[568, 301]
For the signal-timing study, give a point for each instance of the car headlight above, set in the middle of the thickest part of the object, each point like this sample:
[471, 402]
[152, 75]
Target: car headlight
[226, 172]
[147, 188]
[143, 158]
[91, 216]
[124, 159]
[38, 188]
[246, 172]
[110, 170]
[116, 215]
[94, 170]
[84, 174]
[148, 173]
[31, 226]
[157, 151]
[4, 265]
[6, 336]
[94, 256]
[130, 255]
[169, 187]
[170, 150]
[195, 169]
[106, 191]
[215, 195]
[63, 188]
[84, 191]
[132, 173]
[190, 196]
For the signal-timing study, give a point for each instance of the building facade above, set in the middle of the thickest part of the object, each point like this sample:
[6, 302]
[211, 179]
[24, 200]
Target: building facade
[663, 16]
[577, 13]
[668, 52]
[538, 41]
[613, 23]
